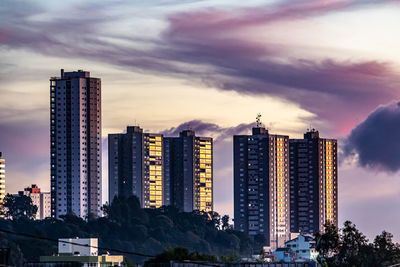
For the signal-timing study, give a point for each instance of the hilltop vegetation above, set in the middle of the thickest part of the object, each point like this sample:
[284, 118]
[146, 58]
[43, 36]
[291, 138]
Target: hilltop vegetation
[347, 246]
[128, 227]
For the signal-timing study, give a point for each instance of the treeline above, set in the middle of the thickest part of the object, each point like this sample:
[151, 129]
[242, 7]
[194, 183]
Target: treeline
[349, 247]
[128, 227]
[174, 235]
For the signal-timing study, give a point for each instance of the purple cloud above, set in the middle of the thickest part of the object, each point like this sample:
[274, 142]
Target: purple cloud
[204, 46]
[376, 140]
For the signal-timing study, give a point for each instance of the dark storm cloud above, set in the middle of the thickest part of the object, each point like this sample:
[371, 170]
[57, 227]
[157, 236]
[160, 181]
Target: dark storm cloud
[376, 140]
[195, 125]
[203, 46]
[212, 129]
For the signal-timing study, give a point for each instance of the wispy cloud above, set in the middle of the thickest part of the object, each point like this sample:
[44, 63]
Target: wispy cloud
[206, 46]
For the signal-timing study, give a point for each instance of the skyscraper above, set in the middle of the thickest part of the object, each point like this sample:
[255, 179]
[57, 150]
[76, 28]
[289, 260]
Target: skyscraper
[313, 183]
[261, 186]
[188, 172]
[75, 132]
[136, 166]
[2, 179]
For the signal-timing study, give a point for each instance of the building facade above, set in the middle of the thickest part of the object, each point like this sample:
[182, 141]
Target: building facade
[2, 179]
[313, 183]
[75, 133]
[261, 186]
[188, 172]
[136, 166]
[42, 200]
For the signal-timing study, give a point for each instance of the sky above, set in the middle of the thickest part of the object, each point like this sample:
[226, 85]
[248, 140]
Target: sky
[213, 66]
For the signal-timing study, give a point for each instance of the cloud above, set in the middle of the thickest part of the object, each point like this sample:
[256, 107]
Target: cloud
[375, 141]
[200, 127]
[217, 48]
[196, 125]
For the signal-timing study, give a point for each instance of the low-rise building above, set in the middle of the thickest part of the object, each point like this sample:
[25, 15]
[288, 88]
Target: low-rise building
[83, 251]
[283, 254]
[303, 247]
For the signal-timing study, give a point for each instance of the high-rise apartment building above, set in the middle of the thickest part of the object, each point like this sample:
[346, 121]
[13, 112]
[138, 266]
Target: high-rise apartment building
[188, 172]
[42, 200]
[313, 183]
[2, 179]
[75, 132]
[261, 186]
[135, 166]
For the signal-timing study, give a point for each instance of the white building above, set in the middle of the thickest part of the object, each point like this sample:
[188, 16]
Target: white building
[303, 247]
[75, 145]
[78, 246]
[42, 200]
[83, 251]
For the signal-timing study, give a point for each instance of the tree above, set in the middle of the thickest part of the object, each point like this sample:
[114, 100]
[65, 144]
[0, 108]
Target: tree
[216, 218]
[17, 207]
[386, 252]
[327, 243]
[182, 254]
[129, 227]
[225, 222]
[353, 246]
[350, 247]
[259, 241]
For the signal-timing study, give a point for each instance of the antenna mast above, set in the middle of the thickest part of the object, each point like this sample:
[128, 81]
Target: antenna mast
[258, 120]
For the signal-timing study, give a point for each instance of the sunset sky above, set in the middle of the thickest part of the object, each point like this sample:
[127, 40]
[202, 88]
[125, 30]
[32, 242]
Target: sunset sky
[212, 66]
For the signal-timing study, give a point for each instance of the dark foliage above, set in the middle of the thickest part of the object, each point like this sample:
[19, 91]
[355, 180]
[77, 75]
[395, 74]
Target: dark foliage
[18, 207]
[128, 227]
[183, 254]
[349, 247]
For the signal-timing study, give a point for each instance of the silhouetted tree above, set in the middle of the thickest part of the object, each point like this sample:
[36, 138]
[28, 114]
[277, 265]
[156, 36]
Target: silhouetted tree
[126, 226]
[216, 218]
[225, 222]
[349, 247]
[182, 254]
[386, 252]
[259, 241]
[327, 243]
[353, 244]
[18, 207]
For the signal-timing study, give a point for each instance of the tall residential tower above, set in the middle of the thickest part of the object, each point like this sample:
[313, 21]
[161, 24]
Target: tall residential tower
[188, 172]
[135, 166]
[313, 183]
[75, 144]
[261, 186]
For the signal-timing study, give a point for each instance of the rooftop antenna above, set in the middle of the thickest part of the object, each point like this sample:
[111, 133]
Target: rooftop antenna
[258, 120]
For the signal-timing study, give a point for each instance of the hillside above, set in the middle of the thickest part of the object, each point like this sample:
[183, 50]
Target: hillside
[128, 227]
